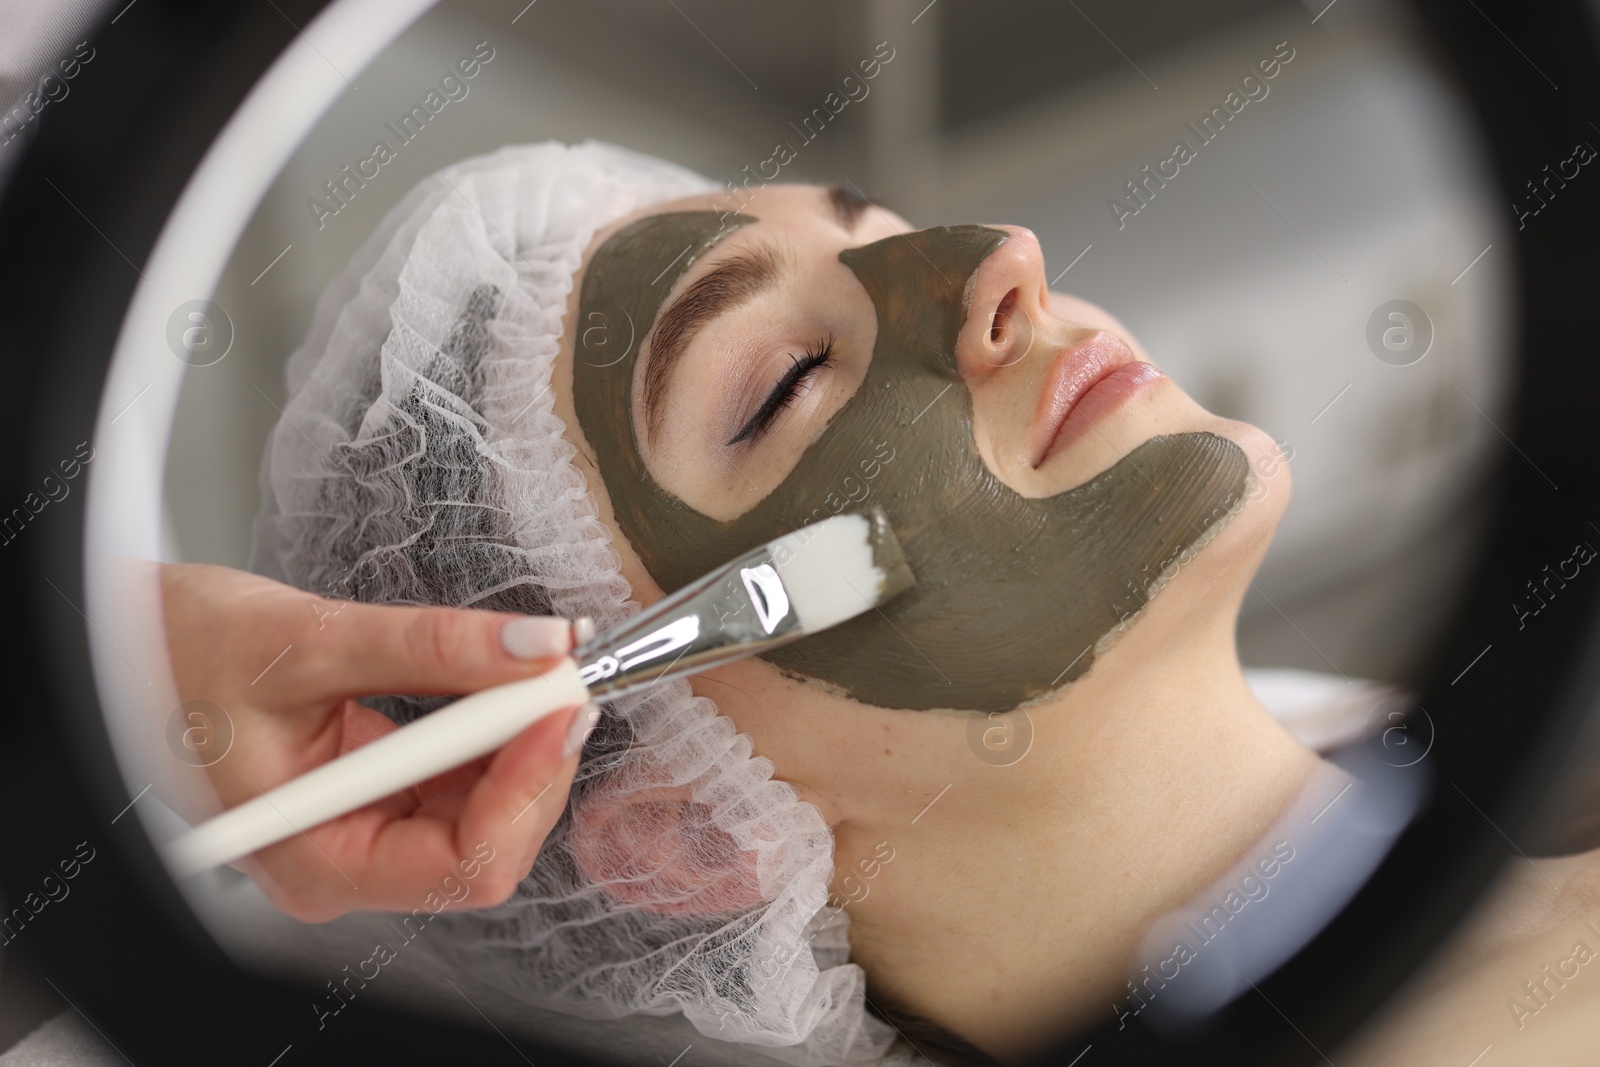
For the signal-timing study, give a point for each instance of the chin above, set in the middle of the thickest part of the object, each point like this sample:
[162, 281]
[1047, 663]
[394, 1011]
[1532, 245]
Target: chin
[1196, 612]
[1267, 493]
[1244, 538]
[1270, 479]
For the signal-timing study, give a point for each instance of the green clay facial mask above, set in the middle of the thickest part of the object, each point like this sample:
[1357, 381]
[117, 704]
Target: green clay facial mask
[1012, 593]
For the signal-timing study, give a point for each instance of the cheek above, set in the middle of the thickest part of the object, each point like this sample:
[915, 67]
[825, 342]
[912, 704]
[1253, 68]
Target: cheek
[1003, 409]
[643, 587]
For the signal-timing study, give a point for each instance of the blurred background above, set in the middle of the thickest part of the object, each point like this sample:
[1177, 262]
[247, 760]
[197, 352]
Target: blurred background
[1250, 278]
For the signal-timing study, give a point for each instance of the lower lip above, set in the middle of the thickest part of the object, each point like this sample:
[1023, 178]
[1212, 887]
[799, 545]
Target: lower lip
[1104, 397]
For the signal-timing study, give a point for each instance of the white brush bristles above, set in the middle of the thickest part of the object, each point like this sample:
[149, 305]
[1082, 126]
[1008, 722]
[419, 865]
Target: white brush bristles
[828, 570]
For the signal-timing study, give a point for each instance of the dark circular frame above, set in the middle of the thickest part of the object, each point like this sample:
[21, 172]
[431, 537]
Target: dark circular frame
[1508, 702]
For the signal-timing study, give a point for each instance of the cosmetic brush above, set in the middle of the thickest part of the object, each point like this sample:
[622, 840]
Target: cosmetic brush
[798, 584]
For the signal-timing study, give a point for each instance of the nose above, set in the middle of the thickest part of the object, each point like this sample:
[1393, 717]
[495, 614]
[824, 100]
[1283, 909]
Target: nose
[1005, 305]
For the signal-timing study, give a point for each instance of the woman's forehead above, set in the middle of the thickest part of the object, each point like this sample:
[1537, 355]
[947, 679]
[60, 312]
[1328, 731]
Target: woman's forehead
[775, 209]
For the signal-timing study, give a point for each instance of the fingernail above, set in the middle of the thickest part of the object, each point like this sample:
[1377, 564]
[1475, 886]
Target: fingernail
[583, 725]
[536, 636]
[582, 630]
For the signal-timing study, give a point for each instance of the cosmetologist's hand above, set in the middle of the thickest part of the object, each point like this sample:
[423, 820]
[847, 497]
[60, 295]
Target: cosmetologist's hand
[288, 667]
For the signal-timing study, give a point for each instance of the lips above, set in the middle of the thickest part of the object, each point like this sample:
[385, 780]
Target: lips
[1089, 380]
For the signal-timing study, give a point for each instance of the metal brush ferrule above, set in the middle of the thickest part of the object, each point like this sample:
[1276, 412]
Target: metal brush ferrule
[739, 610]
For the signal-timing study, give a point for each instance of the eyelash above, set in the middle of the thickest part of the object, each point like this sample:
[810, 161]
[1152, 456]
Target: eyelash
[800, 371]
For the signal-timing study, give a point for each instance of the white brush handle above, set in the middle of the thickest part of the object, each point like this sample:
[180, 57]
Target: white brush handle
[458, 733]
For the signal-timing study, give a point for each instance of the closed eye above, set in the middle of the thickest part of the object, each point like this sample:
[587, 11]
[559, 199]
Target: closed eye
[800, 371]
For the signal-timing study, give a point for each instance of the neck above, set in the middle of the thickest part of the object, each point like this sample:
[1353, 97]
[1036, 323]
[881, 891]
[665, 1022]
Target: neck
[1013, 905]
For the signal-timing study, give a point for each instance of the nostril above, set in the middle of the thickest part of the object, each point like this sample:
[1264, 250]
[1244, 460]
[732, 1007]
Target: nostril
[1002, 317]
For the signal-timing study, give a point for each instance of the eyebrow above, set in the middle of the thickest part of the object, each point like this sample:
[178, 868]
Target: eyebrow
[732, 283]
[847, 204]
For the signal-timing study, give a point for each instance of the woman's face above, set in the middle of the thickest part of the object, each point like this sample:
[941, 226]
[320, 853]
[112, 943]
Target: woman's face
[752, 359]
[747, 393]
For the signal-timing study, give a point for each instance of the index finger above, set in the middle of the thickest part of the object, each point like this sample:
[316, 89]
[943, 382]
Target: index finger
[366, 649]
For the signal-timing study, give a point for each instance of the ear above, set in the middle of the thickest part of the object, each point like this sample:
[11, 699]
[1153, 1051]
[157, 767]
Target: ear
[656, 849]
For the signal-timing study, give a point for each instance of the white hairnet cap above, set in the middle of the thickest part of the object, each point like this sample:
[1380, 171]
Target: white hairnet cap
[420, 461]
